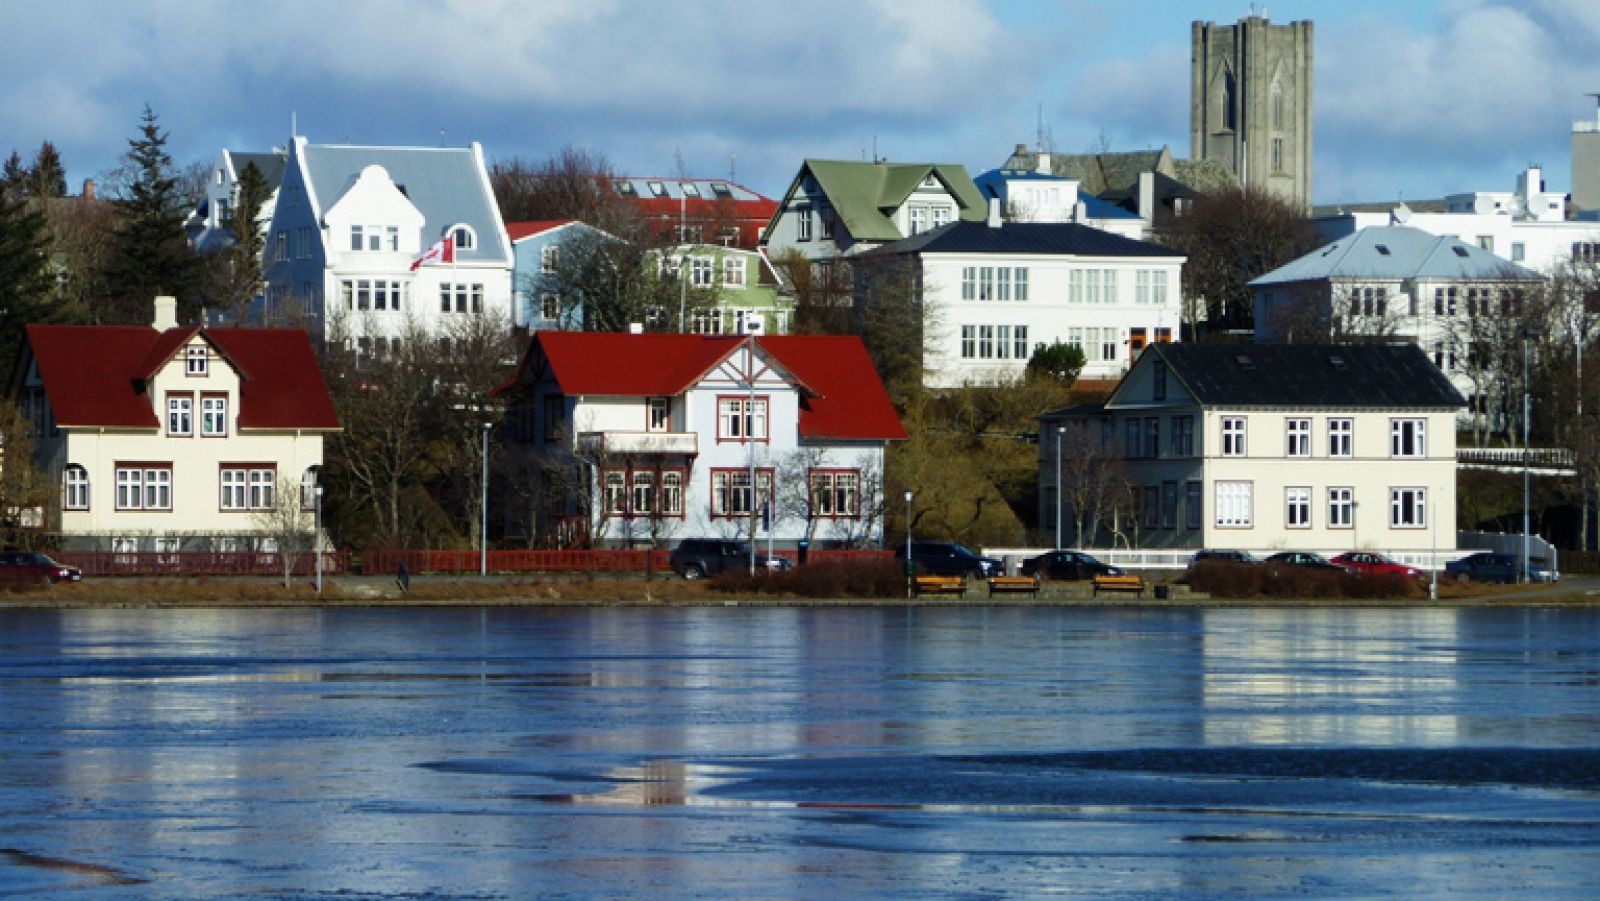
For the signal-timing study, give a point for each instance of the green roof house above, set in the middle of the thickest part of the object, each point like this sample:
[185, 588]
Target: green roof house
[836, 208]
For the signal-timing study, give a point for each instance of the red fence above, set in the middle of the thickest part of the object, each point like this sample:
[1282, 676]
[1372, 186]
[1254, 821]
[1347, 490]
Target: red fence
[199, 563]
[386, 561]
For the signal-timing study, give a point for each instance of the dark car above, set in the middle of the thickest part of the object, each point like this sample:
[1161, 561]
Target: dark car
[946, 558]
[1213, 555]
[1487, 566]
[1067, 566]
[1368, 562]
[1305, 559]
[34, 568]
[696, 558]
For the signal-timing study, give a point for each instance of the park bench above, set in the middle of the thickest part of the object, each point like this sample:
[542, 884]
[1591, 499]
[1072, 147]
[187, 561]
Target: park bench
[1010, 584]
[1134, 584]
[941, 585]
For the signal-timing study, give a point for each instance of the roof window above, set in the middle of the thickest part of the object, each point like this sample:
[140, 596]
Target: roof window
[690, 189]
[721, 189]
[626, 189]
[657, 188]
[1382, 249]
[1460, 251]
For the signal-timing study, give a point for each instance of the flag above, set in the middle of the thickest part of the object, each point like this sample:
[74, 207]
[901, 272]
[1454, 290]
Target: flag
[443, 251]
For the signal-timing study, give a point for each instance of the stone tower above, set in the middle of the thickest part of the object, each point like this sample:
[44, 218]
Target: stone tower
[1250, 103]
[1586, 163]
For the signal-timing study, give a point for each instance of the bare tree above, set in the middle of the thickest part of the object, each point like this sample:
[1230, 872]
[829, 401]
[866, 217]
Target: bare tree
[572, 183]
[26, 489]
[287, 524]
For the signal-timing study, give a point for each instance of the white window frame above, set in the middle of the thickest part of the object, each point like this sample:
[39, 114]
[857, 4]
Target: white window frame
[1341, 508]
[733, 272]
[1408, 508]
[196, 360]
[1408, 438]
[702, 272]
[1234, 505]
[1341, 437]
[658, 414]
[1297, 437]
[1297, 508]
[214, 417]
[1234, 436]
[180, 415]
[75, 488]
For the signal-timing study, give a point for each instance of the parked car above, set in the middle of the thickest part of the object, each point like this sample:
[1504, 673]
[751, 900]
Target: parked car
[1488, 566]
[946, 558]
[696, 558]
[1221, 556]
[1368, 562]
[1067, 566]
[34, 568]
[1303, 558]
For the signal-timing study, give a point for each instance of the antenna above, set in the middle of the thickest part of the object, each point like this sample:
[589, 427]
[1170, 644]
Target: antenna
[733, 167]
[294, 124]
[875, 149]
[1038, 134]
[441, 137]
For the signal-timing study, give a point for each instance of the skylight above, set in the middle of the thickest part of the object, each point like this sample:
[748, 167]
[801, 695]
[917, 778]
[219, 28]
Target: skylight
[1460, 251]
[690, 189]
[1382, 249]
[721, 189]
[657, 188]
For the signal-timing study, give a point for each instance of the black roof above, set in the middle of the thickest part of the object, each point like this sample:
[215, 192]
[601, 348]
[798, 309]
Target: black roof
[1310, 375]
[1025, 237]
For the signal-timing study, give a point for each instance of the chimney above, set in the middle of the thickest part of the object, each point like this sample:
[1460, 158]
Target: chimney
[1147, 196]
[166, 313]
[994, 212]
[88, 190]
[1044, 164]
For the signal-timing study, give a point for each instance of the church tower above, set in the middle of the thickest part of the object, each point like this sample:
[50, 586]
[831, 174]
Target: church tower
[1250, 103]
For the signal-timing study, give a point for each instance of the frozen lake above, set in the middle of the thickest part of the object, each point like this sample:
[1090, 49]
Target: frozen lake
[798, 753]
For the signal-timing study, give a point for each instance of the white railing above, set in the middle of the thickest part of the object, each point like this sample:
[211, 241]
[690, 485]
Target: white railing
[1543, 457]
[639, 442]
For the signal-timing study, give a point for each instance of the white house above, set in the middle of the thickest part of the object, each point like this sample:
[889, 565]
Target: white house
[662, 432]
[837, 208]
[351, 223]
[1262, 448]
[1037, 195]
[165, 438]
[995, 290]
[207, 225]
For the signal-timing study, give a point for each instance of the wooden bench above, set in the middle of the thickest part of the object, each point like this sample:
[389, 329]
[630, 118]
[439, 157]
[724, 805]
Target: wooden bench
[1134, 584]
[941, 585]
[1009, 584]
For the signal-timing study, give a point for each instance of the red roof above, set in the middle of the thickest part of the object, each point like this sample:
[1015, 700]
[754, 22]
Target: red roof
[94, 375]
[529, 228]
[842, 394]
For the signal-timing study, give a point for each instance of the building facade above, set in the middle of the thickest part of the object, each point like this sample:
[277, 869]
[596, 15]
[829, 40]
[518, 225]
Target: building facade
[1250, 105]
[166, 439]
[1260, 448]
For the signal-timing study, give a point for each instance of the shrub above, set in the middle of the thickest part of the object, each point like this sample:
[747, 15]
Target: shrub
[1225, 579]
[831, 579]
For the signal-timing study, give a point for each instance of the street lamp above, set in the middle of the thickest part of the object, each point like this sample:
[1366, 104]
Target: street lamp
[1061, 437]
[316, 535]
[483, 511]
[1527, 412]
[910, 567]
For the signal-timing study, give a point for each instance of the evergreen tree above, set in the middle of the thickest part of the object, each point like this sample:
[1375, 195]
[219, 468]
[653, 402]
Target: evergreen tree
[47, 178]
[244, 257]
[25, 275]
[14, 178]
[151, 255]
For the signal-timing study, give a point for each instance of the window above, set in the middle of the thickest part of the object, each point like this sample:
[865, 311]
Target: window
[700, 272]
[616, 493]
[550, 307]
[1297, 508]
[730, 491]
[1130, 438]
[919, 220]
[463, 236]
[1299, 438]
[1141, 286]
[705, 322]
[1150, 506]
[658, 414]
[1233, 504]
[835, 493]
[1408, 438]
[1019, 283]
[1341, 508]
[213, 416]
[461, 297]
[144, 486]
[195, 360]
[1158, 287]
[1191, 506]
[644, 492]
[243, 487]
[1169, 505]
[969, 342]
[803, 221]
[733, 272]
[672, 493]
[1183, 436]
[1152, 437]
[737, 421]
[657, 188]
[826, 215]
[1408, 508]
[262, 483]
[549, 257]
[180, 414]
[969, 283]
[1002, 341]
[1019, 341]
[373, 294]
[555, 417]
[1340, 435]
[75, 492]
[985, 342]
[308, 489]
[1519, 251]
[1277, 154]
[1233, 436]
[1158, 381]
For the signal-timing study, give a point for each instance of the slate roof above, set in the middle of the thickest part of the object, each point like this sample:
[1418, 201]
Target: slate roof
[94, 375]
[1341, 376]
[446, 184]
[1056, 238]
[1395, 253]
[993, 184]
[270, 165]
[865, 195]
[1116, 171]
[842, 396]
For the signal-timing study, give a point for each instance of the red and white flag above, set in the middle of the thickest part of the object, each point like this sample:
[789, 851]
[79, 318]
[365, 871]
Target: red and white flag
[443, 251]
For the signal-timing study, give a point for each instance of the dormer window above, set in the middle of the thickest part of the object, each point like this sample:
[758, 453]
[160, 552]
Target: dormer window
[626, 189]
[657, 188]
[196, 361]
[690, 189]
[463, 235]
[374, 237]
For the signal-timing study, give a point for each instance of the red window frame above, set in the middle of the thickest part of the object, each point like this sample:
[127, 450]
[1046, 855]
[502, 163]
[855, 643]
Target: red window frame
[766, 420]
[831, 473]
[627, 492]
[711, 500]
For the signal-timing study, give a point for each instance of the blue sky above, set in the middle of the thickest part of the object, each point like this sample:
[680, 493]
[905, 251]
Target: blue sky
[1413, 99]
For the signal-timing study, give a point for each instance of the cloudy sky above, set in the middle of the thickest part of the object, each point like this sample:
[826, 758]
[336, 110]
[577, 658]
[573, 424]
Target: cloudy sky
[1414, 98]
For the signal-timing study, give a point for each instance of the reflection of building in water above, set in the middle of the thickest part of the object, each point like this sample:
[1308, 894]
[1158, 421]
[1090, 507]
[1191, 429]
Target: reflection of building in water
[1331, 676]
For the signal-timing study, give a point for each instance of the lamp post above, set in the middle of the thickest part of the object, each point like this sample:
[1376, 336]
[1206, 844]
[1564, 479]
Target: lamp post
[910, 566]
[483, 512]
[316, 535]
[1061, 437]
[1527, 412]
[750, 441]
[1433, 558]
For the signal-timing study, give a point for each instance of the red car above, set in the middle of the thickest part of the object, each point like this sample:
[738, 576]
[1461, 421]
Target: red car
[32, 568]
[1368, 562]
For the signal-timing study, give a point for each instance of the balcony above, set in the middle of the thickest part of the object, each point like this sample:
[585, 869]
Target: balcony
[616, 443]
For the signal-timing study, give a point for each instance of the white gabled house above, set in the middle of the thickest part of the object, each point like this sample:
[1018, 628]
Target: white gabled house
[1261, 448]
[661, 434]
[350, 226]
[168, 438]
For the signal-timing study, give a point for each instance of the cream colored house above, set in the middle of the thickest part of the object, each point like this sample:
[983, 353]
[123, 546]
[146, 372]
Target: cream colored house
[165, 438]
[1264, 448]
